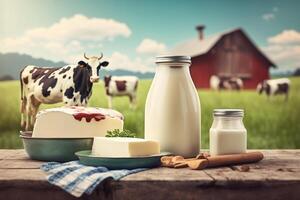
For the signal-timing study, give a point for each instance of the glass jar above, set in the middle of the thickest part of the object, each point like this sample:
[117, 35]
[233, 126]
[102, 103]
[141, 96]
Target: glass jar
[228, 134]
[172, 111]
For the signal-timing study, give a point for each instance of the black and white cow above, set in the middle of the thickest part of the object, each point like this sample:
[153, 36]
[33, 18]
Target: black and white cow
[218, 83]
[274, 87]
[71, 84]
[121, 86]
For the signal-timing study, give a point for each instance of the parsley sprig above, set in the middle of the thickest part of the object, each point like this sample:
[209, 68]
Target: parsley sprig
[118, 133]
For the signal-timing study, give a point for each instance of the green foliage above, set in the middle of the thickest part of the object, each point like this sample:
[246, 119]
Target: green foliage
[118, 133]
[270, 123]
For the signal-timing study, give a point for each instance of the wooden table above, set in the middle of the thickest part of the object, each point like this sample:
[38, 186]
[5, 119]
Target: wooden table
[276, 177]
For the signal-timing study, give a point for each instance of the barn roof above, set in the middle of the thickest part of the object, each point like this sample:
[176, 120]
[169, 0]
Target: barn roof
[195, 47]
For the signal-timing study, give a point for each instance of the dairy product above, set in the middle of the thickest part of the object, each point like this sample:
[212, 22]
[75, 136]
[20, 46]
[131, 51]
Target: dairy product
[227, 142]
[172, 111]
[76, 122]
[124, 147]
[227, 134]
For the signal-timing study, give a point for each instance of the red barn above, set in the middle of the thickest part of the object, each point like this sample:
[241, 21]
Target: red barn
[229, 54]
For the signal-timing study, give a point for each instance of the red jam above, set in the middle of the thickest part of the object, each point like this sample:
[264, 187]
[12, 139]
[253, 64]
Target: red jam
[88, 116]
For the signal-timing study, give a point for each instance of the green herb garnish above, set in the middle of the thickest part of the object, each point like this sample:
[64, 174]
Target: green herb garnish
[118, 133]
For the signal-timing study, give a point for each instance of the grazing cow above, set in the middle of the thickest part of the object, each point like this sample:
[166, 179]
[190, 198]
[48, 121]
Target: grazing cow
[274, 87]
[121, 86]
[232, 83]
[71, 84]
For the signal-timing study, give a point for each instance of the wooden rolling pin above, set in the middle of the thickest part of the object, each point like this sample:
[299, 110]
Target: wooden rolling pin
[223, 160]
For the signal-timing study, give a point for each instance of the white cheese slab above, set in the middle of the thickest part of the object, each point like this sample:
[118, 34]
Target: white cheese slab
[76, 122]
[124, 147]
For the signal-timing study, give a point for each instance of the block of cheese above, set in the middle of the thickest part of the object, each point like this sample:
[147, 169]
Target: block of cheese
[76, 122]
[124, 147]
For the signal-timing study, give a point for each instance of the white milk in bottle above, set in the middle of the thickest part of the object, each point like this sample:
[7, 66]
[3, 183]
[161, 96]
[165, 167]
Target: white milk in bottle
[172, 111]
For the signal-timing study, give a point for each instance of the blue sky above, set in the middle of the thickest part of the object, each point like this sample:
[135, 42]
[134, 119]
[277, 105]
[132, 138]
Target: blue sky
[133, 31]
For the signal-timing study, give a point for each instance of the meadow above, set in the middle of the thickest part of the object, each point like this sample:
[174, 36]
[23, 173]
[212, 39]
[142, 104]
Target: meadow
[270, 123]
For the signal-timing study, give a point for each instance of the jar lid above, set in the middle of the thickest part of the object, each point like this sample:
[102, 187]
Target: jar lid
[229, 112]
[171, 59]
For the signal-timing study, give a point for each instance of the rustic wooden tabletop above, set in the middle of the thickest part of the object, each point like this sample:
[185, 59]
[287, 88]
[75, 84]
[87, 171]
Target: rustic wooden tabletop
[275, 177]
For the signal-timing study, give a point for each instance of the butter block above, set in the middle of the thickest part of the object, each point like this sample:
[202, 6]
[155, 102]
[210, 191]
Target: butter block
[76, 122]
[124, 147]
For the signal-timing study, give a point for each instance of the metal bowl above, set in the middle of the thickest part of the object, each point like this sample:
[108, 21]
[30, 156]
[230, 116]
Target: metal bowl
[54, 149]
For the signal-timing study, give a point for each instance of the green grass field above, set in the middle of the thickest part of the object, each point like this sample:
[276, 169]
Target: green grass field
[270, 123]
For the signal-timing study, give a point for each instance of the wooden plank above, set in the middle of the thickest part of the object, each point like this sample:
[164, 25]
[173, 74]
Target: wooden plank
[282, 154]
[12, 154]
[17, 159]
[20, 164]
[282, 165]
[278, 167]
[228, 183]
[46, 191]
[169, 174]
[32, 184]
[191, 190]
[21, 154]
[276, 177]
[157, 174]
[19, 175]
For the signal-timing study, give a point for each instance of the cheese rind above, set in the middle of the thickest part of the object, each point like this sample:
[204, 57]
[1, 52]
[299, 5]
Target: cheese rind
[76, 122]
[124, 147]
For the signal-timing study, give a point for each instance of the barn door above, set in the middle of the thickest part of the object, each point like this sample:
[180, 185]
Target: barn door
[243, 63]
[233, 58]
[224, 59]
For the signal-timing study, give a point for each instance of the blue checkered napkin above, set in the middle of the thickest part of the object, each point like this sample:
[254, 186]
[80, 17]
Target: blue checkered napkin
[77, 179]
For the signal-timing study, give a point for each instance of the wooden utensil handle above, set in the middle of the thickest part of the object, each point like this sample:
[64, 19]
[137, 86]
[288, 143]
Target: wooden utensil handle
[232, 159]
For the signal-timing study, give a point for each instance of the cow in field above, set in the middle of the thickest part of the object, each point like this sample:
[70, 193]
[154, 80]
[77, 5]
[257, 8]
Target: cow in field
[71, 84]
[121, 86]
[274, 87]
[218, 83]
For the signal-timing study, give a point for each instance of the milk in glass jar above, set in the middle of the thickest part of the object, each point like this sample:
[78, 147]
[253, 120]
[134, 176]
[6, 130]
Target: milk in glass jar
[228, 134]
[172, 111]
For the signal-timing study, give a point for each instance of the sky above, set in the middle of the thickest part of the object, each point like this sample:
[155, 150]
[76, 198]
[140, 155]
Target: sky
[130, 33]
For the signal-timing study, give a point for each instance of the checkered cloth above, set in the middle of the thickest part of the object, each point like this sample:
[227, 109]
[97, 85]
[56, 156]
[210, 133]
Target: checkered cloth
[77, 179]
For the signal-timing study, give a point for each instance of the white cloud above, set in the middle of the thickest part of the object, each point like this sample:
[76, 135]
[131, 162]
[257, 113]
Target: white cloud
[121, 61]
[285, 37]
[66, 38]
[268, 16]
[80, 27]
[151, 47]
[284, 49]
[284, 52]
[69, 38]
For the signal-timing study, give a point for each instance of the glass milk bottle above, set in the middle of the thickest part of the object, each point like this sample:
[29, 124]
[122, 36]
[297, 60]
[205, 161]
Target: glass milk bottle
[172, 111]
[228, 134]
